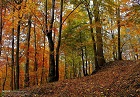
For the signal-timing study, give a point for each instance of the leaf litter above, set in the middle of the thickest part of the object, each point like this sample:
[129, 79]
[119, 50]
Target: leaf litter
[115, 79]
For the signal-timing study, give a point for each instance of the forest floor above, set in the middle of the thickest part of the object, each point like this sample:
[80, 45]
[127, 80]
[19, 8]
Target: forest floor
[116, 79]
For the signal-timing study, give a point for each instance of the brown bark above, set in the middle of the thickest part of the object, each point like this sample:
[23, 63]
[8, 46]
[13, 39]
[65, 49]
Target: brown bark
[42, 73]
[26, 80]
[119, 37]
[17, 56]
[59, 42]
[35, 82]
[100, 55]
[17, 51]
[12, 56]
[52, 71]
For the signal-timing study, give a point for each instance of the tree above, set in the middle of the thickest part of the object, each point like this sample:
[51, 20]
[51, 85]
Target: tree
[49, 31]
[12, 55]
[92, 35]
[119, 37]
[27, 53]
[17, 45]
[35, 58]
[59, 41]
[100, 56]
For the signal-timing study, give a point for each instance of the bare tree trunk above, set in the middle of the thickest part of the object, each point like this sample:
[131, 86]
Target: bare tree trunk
[17, 47]
[66, 68]
[93, 40]
[26, 80]
[82, 56]
[52, 71]
[100, 56]
[42, 73]
[17, 57]
[86, 60]
[114, 46]
[59, 42]
[12, 56]
[35, 58]
[6, 70]
[119, 37]
[83, 62]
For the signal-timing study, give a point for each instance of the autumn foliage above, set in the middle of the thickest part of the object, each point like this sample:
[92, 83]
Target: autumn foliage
[44, 41]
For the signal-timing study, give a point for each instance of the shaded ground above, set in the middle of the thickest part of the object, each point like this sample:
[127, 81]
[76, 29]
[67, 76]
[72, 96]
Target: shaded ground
[116, 79]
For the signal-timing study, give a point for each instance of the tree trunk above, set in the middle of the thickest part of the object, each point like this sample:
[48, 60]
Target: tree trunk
[66, 68]
[86, 61]
[17, 57]
[35, 82]
[26, 80]
[93, 40]
[119, 37]
[6, 70]
[82, 56]
[12, 56]
[100, 56]
[59, 42]
[42, 73]
[114, 46]
[17, 47]
[52, 71]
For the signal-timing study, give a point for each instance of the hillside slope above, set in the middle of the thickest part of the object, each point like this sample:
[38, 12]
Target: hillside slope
[116, 79]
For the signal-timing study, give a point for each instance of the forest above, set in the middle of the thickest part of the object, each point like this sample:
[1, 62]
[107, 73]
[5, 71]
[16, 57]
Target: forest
[45, 41]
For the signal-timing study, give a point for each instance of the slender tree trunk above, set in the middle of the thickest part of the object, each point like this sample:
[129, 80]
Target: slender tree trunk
[79, 74]
[66, 68]
[73, 65]
[12, 56]
[59, 42]
[17, 57]
[52, 71]
[83, 62]
[82, 56]
[6, 70]
[17, 47]
[89, 67]
[35, 82]
[100, 56]
[93, 40]
[114, 46]
[26, 80]
[119, 37]
[42, 73]
[0, 26]
[86, 60]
